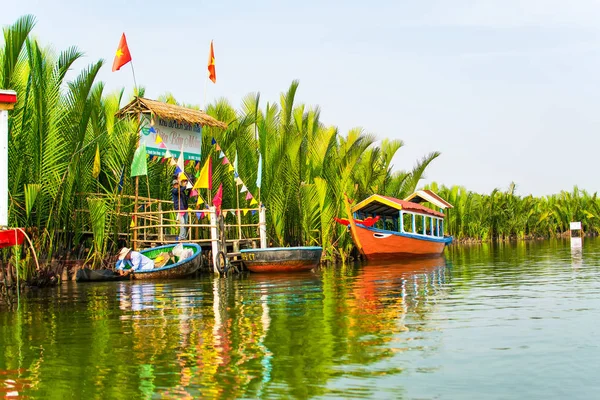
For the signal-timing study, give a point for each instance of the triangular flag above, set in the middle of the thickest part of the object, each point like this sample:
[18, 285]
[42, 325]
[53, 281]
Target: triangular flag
[253, 202]
[193, 193]
[139, 166]
[221, 155]
[132, 224]
[245, 210]
[244, 189]
[197, 166]
[200, 201]
[230, 168]
[180, 162]
[205, 179]
[249, 196]
[162, 145]
[168, 154]
[163, 160]
[218, 200]
[253, 211]
[213, 141]
[123, 56]
[225, 161]
[235, 175]
[152, 130]
[232, 213]
[199, 215]
[96, 167]
[238, 181]
[217, 147]
[259, 174]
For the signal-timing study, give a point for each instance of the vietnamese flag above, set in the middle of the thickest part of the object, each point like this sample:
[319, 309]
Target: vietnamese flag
[122, 56]
[212, 74]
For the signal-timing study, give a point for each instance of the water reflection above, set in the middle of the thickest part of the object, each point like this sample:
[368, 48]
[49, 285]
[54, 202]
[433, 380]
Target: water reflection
[351, 331]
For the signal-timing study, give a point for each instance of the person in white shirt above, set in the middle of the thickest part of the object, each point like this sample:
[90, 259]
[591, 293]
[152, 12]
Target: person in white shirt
[130, 260]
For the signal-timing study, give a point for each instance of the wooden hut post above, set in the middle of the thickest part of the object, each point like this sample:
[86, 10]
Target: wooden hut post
[262, 226]
[214, 237]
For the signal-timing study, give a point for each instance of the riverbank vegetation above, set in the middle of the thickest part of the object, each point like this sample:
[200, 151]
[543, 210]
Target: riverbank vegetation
[69, 206]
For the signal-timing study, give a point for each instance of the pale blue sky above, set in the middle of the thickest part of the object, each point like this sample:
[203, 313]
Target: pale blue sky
[507, 90]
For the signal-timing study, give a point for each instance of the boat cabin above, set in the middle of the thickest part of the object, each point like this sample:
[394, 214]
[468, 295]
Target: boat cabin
[406, 216]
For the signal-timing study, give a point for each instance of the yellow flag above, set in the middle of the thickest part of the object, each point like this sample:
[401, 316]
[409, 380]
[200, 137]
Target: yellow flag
[96, 167]
[231, 168]
[132, 224]
[204, 181]
[200, 201]
[245, 210]
[253, 202]
[158, 139]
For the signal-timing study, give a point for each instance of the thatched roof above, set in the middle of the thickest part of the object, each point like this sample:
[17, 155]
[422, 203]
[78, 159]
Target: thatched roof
[169, 112]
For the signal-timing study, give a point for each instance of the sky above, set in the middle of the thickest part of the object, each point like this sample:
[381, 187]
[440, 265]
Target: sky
[506, 90]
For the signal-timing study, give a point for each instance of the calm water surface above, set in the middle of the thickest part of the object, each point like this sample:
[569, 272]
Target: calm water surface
[511, 321]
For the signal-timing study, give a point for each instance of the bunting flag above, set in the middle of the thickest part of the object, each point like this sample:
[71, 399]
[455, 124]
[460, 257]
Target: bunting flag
[213, 141]
[222, 155]
[180, 162]
[217, 147]
[212, 73]
[249, 196]
[218, 200]
[253, 202]
[205, 179]
[232, 213]
[200, 201]
[132, 224]
[245, 210]
[197, 166]
[235, 175]
[253, 211]
[122, 56]
[193, 193]
[96, 167]
[230, 168]
[152, 130]
[158, 139]
[163, 160]
[244, 189]
[162, 145]
[238, 181]
[259, 174]
[168, 153]
[139, 166]
[200, 215]
[225, 161]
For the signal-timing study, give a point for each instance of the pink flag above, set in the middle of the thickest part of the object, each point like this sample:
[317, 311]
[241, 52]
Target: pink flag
[225, 161]
[249, 196]
[218, 200]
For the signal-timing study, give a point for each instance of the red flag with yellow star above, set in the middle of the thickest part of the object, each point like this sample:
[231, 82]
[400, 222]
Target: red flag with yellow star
[211, 64]
[122, 56]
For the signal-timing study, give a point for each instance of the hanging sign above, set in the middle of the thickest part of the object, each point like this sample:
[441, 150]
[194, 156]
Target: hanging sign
[174, 135]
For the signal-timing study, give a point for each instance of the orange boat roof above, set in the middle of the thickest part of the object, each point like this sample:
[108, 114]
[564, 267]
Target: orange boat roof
[389, 206]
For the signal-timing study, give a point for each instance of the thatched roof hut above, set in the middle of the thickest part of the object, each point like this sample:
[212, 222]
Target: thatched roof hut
[169, 112]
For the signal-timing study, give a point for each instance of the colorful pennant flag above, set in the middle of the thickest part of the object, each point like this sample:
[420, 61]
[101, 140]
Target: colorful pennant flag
[139, 166]
[212, 73]
[218, 200]
[230, 168]
[253, 202]
[132, 224]
[244, 189]
[217, 147]
[123, 56]
[249, 196]
[245, 210]
[213, 141]
[225, 161]
[205, 179]
[222, 155]
[238, 181]
[96, 167]
[180, 162]
[200, 201]
[152, 130]
[253, 212]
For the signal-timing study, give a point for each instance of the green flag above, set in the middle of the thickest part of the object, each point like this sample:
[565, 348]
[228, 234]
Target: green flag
[138, 166]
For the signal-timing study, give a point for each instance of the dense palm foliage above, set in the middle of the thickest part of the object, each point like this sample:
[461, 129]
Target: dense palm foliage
[57, 126]
[506, 215]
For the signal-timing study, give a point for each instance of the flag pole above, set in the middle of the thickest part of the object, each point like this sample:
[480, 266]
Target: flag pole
[134, 81]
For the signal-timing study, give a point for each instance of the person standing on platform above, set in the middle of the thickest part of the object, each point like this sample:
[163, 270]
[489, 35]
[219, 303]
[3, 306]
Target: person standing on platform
[181, 194]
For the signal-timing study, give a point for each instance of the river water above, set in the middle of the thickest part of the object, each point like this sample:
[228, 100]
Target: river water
[485, 322]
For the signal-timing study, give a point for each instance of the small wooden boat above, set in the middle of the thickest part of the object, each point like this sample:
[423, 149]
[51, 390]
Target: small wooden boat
[281, 259]
[98, 275]
[385, 228]
[180, 269]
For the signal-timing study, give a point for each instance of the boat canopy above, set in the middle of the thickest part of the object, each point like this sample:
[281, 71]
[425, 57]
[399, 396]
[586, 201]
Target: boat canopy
[428, 196]
[389, 206]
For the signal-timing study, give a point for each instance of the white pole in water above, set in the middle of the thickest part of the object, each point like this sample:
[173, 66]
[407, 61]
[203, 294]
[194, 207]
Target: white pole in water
[214, 237]
[8, 98]
[3, 168]
[262, 226]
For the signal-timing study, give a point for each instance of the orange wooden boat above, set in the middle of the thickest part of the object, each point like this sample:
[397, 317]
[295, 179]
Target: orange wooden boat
[385, 228]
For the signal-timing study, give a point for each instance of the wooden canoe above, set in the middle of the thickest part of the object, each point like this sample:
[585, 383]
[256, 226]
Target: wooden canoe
[281, 259]
[180, 269]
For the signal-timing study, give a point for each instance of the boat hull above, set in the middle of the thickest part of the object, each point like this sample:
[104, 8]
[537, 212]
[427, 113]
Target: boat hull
[281, 259]
[180, 269]
[381, 245]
